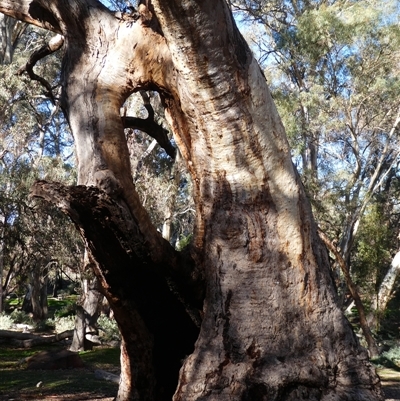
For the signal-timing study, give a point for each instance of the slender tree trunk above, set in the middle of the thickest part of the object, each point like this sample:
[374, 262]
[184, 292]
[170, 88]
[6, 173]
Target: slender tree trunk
[37, 310]
[2, 230]
[364, 323]
[86, 316]
[385, 291]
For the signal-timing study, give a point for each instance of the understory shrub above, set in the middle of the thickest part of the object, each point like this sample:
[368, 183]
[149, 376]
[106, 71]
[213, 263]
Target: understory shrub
[6, 321]
[65, 323]
[19, 316]
[389, 359]
[108, 329]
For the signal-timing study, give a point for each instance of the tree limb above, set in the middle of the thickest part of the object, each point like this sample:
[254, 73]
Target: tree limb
[31, 12]
[83, 204]
[150, 127]
[354, 293]
[54, 44]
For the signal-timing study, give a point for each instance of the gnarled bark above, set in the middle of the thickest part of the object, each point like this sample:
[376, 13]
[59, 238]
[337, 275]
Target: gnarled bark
[157, 332]
[271, 328]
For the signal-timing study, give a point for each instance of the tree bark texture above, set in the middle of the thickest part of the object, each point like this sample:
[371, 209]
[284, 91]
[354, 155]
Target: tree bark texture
[270, 325]
[87, 314]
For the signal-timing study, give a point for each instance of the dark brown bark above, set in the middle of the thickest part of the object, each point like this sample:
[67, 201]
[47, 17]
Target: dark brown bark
[150, 127]
[54, 45]
[156, 329]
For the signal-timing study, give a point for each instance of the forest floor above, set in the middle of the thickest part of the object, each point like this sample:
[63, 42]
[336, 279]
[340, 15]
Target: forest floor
[391, 383]
[20, 384]
[81, 385]
[17, 383]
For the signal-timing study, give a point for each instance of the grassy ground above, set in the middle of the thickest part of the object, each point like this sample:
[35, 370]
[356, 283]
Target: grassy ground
[18, 383]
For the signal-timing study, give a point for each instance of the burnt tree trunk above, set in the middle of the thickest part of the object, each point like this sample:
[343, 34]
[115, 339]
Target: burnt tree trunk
[270, 328]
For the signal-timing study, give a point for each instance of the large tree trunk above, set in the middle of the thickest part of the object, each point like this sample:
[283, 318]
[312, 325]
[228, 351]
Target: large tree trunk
[271, 328]
[156, 330]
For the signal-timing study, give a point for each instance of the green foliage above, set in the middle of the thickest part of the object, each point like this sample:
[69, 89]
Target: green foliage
[389, 359]
[373, 249]
[184, 241]
[19, 316]
[65, 311]
[6, 321]
[108, 329]
[35, 143]
[62, 324]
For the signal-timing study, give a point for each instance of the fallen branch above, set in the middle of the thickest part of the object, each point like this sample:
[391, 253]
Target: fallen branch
[102, 374]
[28, 340]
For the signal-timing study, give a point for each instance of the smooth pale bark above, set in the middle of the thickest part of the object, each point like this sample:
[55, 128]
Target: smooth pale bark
[86, 317]
[386, 288]
[271, 327]
[10, 32]
[385, 291]
[88, 311]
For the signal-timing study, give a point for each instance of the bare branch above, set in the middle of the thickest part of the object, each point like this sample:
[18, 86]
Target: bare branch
[54, 44]
[150, 127]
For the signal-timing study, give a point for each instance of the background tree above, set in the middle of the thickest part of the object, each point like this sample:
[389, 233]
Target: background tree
[34, 143]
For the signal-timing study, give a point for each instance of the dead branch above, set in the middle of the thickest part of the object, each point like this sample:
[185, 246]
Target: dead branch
[150, 127]
[102, 374]
[28, 340]
[54, 44]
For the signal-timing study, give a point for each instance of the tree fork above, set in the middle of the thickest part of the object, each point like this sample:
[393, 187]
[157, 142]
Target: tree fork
[155, 326]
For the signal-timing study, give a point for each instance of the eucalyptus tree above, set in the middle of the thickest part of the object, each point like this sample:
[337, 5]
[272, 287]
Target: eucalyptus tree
[334, 68]
[250, 306]
[34, 143]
